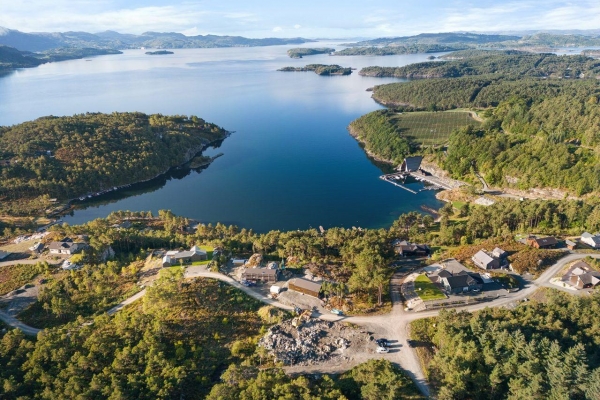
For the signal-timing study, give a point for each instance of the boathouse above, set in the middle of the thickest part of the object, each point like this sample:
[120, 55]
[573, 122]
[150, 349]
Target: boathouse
[411, 164]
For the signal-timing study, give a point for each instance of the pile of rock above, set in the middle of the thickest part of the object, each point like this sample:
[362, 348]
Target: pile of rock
[254, 261]
[313, 342]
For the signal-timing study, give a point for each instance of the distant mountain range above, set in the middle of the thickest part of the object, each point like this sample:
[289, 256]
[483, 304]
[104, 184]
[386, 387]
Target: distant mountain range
[11, 58]
[42, 41]
[437, 38]
[479, 40]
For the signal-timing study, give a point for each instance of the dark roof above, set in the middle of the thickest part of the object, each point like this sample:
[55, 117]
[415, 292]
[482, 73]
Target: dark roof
[408, 247]
[305, 284]
[444, 274]
[62, 245]
[547, 241]
[411, 163]
[460, 281]
[590, 278]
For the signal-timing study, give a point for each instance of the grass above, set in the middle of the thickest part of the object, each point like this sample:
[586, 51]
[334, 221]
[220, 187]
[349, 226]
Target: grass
[209, 252]
[205, 262]
[432, 128]
[427, 290]
[14, 276]
[458, 204]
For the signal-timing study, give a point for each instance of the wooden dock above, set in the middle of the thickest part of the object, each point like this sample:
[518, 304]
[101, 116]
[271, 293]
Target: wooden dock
[401, 176]
[391, 178]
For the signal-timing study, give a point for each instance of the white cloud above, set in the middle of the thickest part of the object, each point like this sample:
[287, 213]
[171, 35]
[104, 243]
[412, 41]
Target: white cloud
[370, 18]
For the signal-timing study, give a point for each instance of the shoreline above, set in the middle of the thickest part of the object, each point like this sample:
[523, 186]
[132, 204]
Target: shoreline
[68, 204]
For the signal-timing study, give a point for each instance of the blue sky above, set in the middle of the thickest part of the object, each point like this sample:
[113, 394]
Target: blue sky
[306, 18]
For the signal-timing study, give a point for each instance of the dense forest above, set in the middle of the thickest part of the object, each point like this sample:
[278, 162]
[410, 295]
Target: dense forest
[173, 345]
[395, 50]
[372, 380]
[535, 351]
[67, 157]
[320, 69]
[507, 63]
[300, 52]
[381, 137]
[540, 131]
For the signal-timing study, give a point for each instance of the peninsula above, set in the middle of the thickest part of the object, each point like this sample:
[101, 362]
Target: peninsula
[320, 69]
[69, 157]
[537, 112]
[11, 58]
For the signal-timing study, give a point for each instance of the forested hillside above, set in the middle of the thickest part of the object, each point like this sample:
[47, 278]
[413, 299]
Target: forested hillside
[535, 351]
[395, 50]
[542, 117]
[509, 63]
[474, 40]
[66, 157]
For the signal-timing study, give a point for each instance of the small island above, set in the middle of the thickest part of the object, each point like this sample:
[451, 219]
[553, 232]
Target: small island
[159, 53]
[320, 69]
[300, 52]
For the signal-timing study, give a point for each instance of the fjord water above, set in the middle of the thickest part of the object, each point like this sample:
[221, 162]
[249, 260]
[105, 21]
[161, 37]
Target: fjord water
[290, 164]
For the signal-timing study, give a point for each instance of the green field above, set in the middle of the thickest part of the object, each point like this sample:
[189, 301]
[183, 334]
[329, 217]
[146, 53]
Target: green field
[427, 290]
[432, 128]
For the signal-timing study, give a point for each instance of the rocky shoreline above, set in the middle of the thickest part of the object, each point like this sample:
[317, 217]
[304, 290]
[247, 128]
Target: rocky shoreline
[189, 156]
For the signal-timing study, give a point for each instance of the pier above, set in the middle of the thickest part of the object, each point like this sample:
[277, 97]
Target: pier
[399, 178]
[430, 179]
[392, 178]
[412, 167]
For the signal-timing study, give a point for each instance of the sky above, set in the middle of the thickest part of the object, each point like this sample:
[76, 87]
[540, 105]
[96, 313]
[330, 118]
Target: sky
[305, 18]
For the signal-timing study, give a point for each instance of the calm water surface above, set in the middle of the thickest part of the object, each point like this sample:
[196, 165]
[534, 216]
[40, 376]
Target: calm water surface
[290, 164]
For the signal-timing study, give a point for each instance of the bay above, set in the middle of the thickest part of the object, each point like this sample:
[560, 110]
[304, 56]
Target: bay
[290, 163]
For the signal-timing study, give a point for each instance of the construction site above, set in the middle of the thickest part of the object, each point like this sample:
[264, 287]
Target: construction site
[306, 341]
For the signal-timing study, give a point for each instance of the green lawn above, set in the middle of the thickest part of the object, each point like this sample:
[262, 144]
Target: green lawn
[458, 204]
[427, 290]
[432, 128]
[209, 252]
[205, 262]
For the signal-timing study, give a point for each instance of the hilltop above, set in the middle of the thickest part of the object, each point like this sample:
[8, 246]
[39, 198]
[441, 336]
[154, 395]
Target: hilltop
[41, 41]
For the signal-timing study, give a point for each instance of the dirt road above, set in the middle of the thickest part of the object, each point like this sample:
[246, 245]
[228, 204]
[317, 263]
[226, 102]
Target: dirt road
[393, 326]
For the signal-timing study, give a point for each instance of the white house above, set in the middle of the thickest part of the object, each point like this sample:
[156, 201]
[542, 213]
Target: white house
[591, 240]
[66, 246]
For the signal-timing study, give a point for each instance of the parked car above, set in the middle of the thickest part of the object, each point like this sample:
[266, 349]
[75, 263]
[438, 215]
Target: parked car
[248, 283]
[382, 349]
[336, 311]
[382, 342]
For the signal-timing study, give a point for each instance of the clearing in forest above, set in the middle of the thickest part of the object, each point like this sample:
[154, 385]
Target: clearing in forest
[432, 128]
